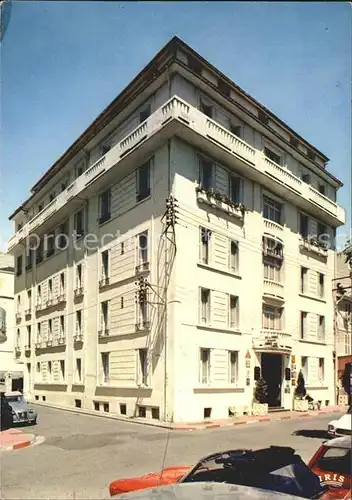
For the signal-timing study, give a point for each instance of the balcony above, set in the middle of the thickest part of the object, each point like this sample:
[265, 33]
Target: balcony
[78, 293]
[61, 299]
[313, 246]
[142, 267]
[223, 203]
[103, 333]
[104, 282]
[273, 290]
[271, 227]
[273, 341]
[78, 338]
[177, 116]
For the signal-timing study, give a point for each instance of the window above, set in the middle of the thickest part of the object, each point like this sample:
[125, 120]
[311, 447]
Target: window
[233, 312]
[39, 295]
[207, 109]
[233, 367]
[142, 312]
[29, 335]
[105, 265]
[321, 229]
[336, 459]
[62, 283]
[50, 371]
[142, 249]
[304, 368]
[78, 322]
[272, 156]
[79, 276]
[321, 189]
[50, 289]
[62, 370]
[272, 318]
[233, 264]
[19, 265]
[79, 169]
[303, 324]
[143, 181]
[63, 235]
[18, 338]
[304, 278]
[105, 206]
[29, 299]
[204, 375]
[263, 117]
[311, 155]
[306, 178]
[79, 224]
[204, 306]
[321, 374]
[205, 237]
[62, 326]
[145, 113]
[205, 173]
[303, 225]
[272, 210]
[50, 244]
[50, 329]
[321, 328]
[272, 248]
[321, 285]
[236, 129]
[104, 319]
[272, 269]
[18, 303]
[39, 253]
[235, 189]
[143, 366]
[29, 261]
[78, 377]
[38, 372]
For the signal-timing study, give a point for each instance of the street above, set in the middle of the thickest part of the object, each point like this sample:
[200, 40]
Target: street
[82, 454]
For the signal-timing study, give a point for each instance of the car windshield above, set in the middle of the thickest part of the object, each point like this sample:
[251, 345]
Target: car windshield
[336, 460]
[14, 399]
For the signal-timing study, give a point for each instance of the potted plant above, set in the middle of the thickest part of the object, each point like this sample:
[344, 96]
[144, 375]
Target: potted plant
[300, 403]
[260, 402]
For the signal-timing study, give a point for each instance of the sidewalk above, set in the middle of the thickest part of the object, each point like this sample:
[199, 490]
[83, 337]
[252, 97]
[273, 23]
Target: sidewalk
[195, 426]
[14, 439]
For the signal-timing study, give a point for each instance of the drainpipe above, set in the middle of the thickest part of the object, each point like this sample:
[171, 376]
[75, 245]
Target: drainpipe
[166, 287]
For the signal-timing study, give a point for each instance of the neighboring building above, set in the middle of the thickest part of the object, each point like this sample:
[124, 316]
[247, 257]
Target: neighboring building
[343, 315]
[228, 290]
[11, 373]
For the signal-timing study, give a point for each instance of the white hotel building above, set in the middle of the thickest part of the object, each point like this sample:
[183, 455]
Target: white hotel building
[231, 293]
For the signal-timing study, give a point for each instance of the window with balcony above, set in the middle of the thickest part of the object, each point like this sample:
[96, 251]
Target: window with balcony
[236, 129]
[62, 234]
[204, 372]
[39, 332]
[62, 326]
[205, 308]
[29, 336]
[38, 373]
[39, 295]
[303, 225]
[79, 322]
[104, 316]
[272, 269]
[233, 314]
[105, 271]
[236, 189]
[206, 108]
[304, 279]
[321, 370]
[19, 262]
[50, 289]
[142, 313]
[29, 299]
[79, 273]
[62, 370]
[306, 178]
[79, 223]
[105, 363]
[321, 189]
[50, 244]
[142, 251]
[62, 283]
[234, 256]
[233, 367]
[105, 148]
[145, 113]
[272, 317]
[205, 250]
[269, 153]
[321, 230]
[79, 169]
[321, 285]
[50, 329]
[272, 248]
[105, 206]
[206, 177]
[143, 181]
[142, 375]
[18, 305]
[321, 328]
[272, 210]
[303, 324]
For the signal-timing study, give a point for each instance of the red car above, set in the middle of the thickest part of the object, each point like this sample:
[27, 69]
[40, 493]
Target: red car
[332, 463]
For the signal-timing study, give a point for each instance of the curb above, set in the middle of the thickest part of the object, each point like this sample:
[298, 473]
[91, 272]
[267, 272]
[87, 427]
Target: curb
[175, 427]
[19, 446]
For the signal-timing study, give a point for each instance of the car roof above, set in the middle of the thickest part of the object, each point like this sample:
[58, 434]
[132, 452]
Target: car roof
[340, 442]
[13, 393]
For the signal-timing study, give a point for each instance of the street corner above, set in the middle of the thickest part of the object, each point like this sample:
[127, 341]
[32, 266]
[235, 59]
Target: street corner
[16, 439]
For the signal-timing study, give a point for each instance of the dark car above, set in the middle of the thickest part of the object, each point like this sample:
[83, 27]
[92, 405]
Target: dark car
[6, 420]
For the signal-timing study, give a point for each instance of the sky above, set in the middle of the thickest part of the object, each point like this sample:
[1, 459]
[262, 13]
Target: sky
[62, 63]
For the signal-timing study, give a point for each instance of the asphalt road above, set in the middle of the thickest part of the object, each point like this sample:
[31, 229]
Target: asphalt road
[82, 454]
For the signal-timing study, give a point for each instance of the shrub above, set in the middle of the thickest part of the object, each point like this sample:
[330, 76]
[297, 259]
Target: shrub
[300, 391]
[261, 391]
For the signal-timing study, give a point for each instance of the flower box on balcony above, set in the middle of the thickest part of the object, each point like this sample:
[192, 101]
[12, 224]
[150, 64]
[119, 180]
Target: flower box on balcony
[221, 202]
[315, 246]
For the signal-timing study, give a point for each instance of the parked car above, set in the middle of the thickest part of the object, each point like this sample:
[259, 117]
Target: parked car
[332, 464]
[22, 412]
[6, 417]
[276, 469]
[341, 426]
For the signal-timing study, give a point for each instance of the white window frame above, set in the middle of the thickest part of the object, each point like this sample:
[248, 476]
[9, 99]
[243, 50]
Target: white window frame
[142, 254]
[79, 321]
[204, 375]
[200, 158]
[78, 277]
[105, 367]
[105, 273]
[207, 317]
[272, 205]
[234, 267]
[272, 269]
[233, 377]
[205, 246]
[142, 371]
[273, 316]
[233, 324]
[82, 210]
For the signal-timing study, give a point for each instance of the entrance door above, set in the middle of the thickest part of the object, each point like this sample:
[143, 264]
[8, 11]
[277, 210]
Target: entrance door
[272, 374]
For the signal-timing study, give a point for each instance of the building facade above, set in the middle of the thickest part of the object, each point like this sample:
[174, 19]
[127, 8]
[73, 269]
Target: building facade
[171, 309]
[11, 373]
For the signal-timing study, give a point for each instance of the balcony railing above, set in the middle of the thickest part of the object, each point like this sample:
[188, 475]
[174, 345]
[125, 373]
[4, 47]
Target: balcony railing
[273, 340]
[189, 116]
[274, 289]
